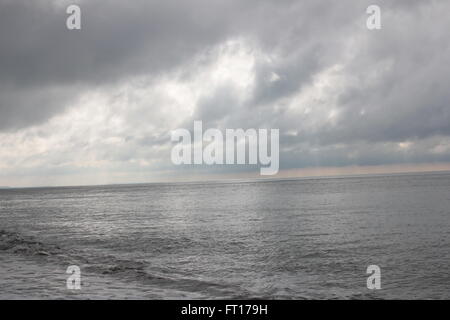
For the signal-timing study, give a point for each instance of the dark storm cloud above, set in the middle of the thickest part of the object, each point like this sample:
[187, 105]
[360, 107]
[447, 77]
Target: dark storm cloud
[392, 85]
[410, 99]
[119, 39]
[400, 75]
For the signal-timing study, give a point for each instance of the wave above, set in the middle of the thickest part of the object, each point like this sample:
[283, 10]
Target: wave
[15, 243]
[112, 266]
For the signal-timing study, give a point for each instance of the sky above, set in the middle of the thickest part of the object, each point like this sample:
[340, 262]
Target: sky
[97, 105]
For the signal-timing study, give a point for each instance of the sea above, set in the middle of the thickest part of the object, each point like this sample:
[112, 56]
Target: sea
[307, 238]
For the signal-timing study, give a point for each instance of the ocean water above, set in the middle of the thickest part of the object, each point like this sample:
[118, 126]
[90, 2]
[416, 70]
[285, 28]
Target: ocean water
[285, 239]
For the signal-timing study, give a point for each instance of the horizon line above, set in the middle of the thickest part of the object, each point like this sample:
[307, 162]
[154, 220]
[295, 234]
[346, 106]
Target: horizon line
[286, 174]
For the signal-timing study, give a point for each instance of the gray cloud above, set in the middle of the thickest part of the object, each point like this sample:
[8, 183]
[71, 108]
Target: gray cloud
[339, 93]
[118, 40]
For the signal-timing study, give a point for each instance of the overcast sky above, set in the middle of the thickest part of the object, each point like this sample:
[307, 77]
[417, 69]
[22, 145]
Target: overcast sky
[97, 105]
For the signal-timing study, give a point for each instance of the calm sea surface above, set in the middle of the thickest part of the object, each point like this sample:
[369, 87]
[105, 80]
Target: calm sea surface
[288, 239]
